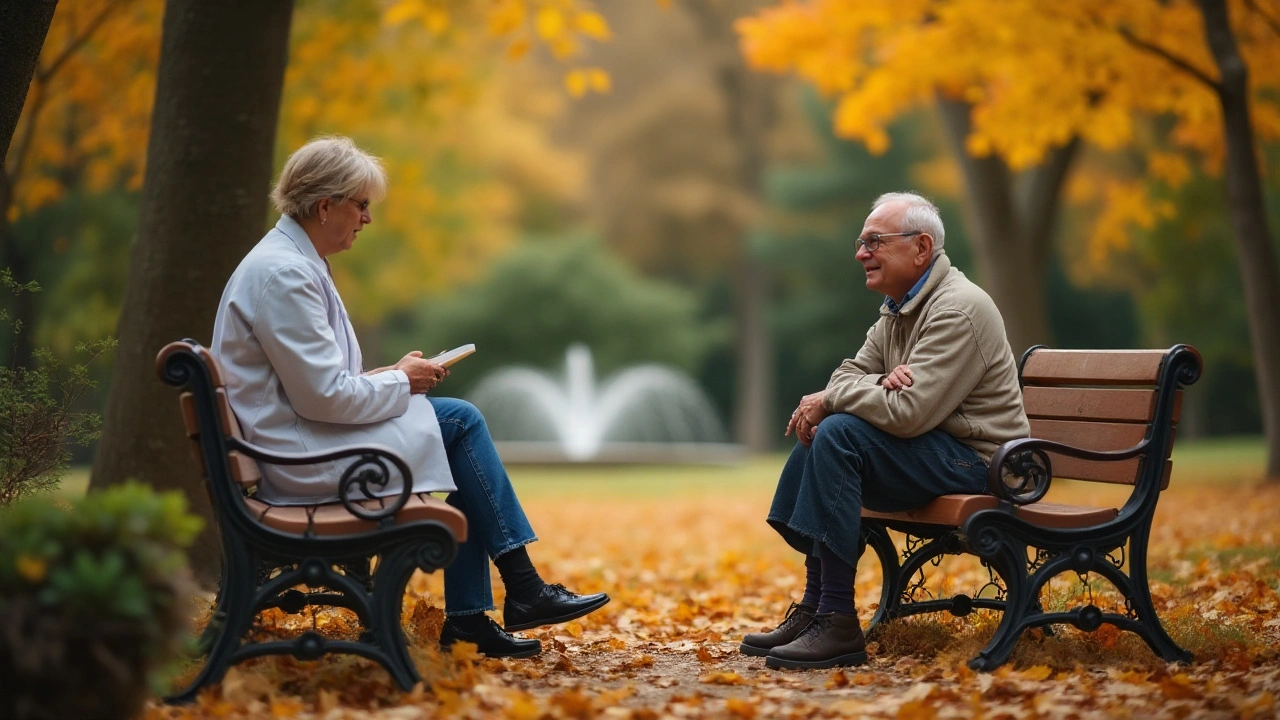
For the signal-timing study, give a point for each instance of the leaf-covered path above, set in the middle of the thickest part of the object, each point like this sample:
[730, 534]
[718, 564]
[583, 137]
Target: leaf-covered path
[691, 567]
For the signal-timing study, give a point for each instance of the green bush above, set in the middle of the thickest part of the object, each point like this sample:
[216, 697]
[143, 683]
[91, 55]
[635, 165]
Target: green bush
[38, 419]
[92, 599]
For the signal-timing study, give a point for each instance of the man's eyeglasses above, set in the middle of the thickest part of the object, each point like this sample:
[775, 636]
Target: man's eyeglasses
[872, 241]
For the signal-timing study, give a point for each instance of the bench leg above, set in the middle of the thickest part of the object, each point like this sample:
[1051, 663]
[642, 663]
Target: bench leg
[1151, 630]
[394, 571]
[1009, 560]
[877, 538]
[231, 618]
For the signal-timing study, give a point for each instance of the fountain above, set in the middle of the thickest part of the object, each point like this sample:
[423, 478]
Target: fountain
[645, 413]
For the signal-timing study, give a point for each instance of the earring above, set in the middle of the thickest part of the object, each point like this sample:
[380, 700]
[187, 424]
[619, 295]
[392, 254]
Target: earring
[322, 220]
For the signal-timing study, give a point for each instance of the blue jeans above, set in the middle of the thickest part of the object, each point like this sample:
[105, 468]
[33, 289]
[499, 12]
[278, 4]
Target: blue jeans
[495, 521]
[851, 464]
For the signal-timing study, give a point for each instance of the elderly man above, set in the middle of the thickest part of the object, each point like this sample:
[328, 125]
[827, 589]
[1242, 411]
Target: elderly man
[914, 415]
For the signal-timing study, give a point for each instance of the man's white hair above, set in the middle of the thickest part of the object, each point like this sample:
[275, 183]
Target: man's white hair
[921, 216]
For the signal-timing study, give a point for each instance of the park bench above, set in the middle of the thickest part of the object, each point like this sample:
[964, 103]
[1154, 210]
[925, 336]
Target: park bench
[268, 551]
[1105, 416]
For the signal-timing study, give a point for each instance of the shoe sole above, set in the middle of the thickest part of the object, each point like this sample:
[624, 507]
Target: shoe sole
[587, 610]
[512, 656]
[753, 650]
[778, 663]
[517, 656]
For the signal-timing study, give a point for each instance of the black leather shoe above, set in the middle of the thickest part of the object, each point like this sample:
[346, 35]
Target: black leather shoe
[759, 644]
[554, 604]
[490, 639]
[830, 640]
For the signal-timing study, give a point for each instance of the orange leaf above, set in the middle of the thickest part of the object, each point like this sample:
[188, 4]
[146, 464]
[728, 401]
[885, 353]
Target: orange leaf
[1039, 672]
[1178, 687]
[740, 708]
[723, 678]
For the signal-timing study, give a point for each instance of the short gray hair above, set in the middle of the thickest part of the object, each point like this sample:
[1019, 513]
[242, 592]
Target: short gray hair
[921, 215]
[329, 166]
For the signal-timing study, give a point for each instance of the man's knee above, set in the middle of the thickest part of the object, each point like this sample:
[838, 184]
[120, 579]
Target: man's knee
[840, 431]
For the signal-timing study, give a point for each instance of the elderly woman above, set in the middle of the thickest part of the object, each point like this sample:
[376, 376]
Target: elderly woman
[295, 379]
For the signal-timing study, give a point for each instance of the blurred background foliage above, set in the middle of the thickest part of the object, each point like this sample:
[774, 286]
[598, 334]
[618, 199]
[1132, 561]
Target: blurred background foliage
[549, 187]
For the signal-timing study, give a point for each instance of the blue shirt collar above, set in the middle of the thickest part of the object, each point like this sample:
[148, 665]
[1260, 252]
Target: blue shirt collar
[894, 306]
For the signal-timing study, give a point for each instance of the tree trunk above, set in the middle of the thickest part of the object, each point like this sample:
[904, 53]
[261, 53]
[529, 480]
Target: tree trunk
[749, 105]
[209, 166]
[23, 26]
[1011, 223]
[1258, 269]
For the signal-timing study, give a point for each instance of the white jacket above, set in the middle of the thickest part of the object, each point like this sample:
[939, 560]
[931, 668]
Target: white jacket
[293, 368]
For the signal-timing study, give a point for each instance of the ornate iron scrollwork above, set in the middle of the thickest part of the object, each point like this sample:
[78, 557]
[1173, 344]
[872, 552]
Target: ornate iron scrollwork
[1025, 476]
[367, 475]
[993, 581]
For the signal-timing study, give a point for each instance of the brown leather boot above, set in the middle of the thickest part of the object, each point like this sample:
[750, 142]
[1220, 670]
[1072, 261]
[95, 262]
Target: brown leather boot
[830, 640]
[759, 644]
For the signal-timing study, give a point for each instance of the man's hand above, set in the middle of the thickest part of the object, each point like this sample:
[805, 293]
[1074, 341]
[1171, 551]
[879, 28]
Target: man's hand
[423, 375]
[898, 379]
[804, 421]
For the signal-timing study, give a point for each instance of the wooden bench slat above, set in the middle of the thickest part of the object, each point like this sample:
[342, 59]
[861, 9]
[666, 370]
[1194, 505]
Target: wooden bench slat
[1093, 367]
[244, 470]
[333, 518]
[953, 510]
[1098, 404]
[1116, 473]
[1101, 436]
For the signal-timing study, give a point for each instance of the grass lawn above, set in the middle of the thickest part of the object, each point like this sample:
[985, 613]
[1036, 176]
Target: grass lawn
[1227, 461]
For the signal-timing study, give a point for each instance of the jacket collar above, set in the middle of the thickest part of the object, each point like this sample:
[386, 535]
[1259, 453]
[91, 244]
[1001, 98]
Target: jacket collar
[941, 268]
[294, 232]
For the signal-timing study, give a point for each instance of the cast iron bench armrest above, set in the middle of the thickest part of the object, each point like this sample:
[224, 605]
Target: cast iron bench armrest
[369, 470]
[1027, 461]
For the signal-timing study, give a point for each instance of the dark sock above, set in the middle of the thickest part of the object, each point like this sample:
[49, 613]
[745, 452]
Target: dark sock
[837, 584]
[471, 623]
[812, 581]
[519, 575]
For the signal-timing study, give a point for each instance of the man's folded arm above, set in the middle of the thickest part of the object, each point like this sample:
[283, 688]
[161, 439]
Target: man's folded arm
[292, 326]
[867, 367]
[946, 365]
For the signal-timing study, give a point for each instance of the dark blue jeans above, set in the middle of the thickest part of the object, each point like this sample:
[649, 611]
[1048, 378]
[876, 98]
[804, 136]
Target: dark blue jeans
[495, 521]
[852, 464]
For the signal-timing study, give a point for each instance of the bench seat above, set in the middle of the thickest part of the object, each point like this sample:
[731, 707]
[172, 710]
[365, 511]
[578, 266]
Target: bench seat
[334, 519]
[953, 510]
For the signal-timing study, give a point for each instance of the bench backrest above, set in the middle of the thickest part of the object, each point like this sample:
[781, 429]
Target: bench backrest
[244, 471]
[1097, 400]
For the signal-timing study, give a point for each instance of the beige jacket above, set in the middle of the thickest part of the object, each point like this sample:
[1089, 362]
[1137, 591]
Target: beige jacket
[965, 378]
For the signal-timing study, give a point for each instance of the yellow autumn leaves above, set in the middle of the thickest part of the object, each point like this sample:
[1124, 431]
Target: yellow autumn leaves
[559, 25]
[1035, 75]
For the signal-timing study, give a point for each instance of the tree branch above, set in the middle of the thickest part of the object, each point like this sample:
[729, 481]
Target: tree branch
[1178, 62]
[24, 144]
[1271, 22]
[39, 81]
[43, 74]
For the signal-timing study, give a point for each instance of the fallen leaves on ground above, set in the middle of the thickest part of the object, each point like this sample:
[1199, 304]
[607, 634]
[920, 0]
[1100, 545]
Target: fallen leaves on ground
[690, 574]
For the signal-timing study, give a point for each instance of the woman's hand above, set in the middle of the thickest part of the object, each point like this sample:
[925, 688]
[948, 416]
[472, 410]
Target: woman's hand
[423, 375]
